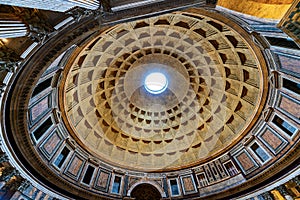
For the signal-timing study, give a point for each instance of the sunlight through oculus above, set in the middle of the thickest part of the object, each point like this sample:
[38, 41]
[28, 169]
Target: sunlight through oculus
[156, 83]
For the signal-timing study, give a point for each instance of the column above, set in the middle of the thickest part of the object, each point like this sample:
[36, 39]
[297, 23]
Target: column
[3, 156]
[296, 180]
[8, 173]
[267, 196]
[13, 184]
[10, 188]
[283, 191]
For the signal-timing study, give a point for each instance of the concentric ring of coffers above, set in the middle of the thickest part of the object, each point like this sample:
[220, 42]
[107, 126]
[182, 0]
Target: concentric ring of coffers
[214, 87]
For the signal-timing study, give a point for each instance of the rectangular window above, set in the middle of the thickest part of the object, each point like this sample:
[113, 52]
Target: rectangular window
[285, 126]
[261, 154]
[291, 85]
[202, 180]
[62, 157]
[174, 187]
[282, 42]
[116, 185]
[230, 168]
[42, 86]
[88, 175]
[38, 133]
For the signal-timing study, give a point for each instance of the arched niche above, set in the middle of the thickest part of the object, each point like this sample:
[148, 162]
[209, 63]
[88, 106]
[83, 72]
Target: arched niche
[146, 185]
[145, 191]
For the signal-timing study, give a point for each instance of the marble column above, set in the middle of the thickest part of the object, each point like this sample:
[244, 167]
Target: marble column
[283, 191]
[3, 157]
[267, 196]
[8, 173]
[296, 180]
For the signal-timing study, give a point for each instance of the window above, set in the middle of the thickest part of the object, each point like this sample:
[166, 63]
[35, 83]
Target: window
[116, 185]
[174, 187]
[259, 152]
[231, 168]
[285, 126]
[202, 180]
[282, 42]
[62, 157]
[291, 85]
[38, 133]
[88, 175]
[42, 86]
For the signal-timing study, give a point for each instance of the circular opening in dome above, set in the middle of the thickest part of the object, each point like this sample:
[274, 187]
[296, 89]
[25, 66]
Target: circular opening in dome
[156, 83]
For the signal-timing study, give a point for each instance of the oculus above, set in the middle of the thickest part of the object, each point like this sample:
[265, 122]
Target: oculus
[156, 83]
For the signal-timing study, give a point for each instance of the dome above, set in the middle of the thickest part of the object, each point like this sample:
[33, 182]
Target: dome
[210, 100]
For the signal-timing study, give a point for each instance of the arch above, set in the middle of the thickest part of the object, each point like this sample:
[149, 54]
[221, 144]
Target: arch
[152, 183]
[145, 191]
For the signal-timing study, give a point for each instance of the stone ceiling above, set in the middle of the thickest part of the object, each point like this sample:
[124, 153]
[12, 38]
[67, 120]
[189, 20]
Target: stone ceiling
[215, 87]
